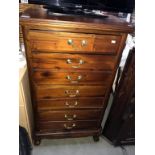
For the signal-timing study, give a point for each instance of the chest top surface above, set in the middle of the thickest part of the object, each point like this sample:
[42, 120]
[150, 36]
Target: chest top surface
[39, 16]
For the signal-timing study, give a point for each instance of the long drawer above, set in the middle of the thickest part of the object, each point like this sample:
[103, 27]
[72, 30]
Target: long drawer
[56, 91]
[69, 103]
[69, 115]
[73, 61]
[66, 125]
[68, 77]
[48, 41]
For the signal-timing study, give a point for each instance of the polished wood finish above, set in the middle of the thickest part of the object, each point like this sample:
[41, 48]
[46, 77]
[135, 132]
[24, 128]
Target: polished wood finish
[59, 61]
[71, 77]
[67, 133]
[40, 19]
[70, 103]
[63, 126]
[120, 125]
[58, 42]
[72, 62]
[107, 43]
[69, 115]
[49, 92]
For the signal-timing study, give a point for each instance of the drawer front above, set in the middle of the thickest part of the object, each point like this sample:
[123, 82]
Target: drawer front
[67, 125]
[106, 43]
[47, 92]
[73, 61]
[47, 41]
[68, 103]
[80, 77]
[68, 115]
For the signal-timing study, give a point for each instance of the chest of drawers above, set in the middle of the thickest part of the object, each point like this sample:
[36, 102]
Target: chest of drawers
[72, 62]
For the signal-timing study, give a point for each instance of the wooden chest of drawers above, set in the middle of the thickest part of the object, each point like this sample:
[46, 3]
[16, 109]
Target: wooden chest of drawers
[72, 63]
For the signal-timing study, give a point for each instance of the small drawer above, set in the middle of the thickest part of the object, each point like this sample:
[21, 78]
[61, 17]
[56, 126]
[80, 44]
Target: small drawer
[68, 77]
[67, 125]
[106, 43]
[73, 61]
[68, 115]
[48, 41]
[67, 103]
[56, 91]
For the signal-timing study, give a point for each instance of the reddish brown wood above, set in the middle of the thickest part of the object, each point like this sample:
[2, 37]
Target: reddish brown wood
[68, 115]
[69, 103]
[56, 91]
[39, 18]
[58, 41]
[49, 41]
[59, 61]
[50, 59]
[67, 133]
[67, 126]
[107, 43]
[68, 77]
[48, 92]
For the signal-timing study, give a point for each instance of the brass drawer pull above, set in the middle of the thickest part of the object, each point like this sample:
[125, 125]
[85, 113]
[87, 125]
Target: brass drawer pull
[72, 93]
[70, 42]
[113, 41]
[70, 118]
[83, 43]
[68, 77]
[71, 106]
[69, 127]
[69, 61]
[81, 62]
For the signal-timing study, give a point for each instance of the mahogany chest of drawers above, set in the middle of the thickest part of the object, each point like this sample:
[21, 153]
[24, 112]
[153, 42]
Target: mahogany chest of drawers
[72, 62]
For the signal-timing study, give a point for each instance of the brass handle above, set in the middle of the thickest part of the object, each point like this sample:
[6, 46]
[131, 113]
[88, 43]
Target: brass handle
[70, 118]
[72, 93]
[69, 61]
[81, 62]
[79, 77]
[69, 127]
[71, 106]
[68, 77]
[113, 41]
[70, 42]
[83, 42]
